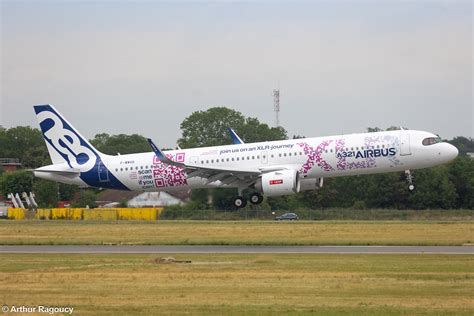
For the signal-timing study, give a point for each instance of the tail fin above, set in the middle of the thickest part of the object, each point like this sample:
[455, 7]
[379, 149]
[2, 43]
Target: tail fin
[65, 144]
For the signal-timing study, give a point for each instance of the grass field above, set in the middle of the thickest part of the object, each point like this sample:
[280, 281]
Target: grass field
[237, 233]
[251, 284]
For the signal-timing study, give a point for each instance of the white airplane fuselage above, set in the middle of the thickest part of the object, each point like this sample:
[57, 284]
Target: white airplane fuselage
[271, 164]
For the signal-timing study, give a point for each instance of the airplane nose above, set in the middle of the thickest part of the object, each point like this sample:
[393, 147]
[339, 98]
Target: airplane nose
[452, 152]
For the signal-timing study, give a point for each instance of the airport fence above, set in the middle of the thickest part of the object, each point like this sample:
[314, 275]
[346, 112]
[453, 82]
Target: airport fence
[99, 214]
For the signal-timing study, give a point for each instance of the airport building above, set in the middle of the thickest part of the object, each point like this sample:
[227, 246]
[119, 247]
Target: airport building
[114, 198]
[10, 164]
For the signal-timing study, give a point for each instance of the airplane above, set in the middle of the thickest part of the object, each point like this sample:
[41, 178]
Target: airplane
[273, 168]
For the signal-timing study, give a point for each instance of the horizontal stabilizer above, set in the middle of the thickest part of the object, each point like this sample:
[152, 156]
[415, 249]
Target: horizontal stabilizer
[60, 169]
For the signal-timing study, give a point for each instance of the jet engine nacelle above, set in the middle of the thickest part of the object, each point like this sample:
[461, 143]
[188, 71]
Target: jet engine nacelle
[277, 183]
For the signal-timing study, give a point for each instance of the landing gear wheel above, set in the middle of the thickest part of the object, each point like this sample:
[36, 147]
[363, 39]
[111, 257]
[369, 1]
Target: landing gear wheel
[240, 202]
[256, 198]
[410, 178]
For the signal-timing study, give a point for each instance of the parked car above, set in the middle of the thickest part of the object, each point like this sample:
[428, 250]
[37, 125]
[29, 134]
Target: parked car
[287, 217]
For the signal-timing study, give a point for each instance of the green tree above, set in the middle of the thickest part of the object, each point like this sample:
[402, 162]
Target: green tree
[463, 144]
[67, 191]
[253, 131]
[46, 193]
[123, 144]
[222, 198]
[433, 189]
[87, 199]
[16, 182]
[209, 128]
[386, 190]
[320, 198]
[461, 174]
[25, 143]
[199, 198]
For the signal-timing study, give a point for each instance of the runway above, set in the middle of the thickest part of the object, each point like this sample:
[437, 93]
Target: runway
[129, 249]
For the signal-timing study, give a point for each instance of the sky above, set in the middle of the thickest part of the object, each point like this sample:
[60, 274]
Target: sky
[143, 66]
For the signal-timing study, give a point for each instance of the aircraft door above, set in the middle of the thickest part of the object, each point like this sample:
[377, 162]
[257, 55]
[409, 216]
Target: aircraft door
[103, 173]
[405, 149]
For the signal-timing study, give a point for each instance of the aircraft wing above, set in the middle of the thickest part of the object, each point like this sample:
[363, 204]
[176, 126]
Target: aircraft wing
[212, 174]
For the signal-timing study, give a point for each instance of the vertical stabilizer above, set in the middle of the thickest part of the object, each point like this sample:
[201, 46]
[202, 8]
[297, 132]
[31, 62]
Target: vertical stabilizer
[65, 144]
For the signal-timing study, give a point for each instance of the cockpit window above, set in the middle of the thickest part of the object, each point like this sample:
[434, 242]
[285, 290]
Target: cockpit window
[431, 141]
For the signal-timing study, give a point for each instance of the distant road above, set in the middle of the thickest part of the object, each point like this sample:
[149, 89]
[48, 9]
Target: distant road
[465, 250]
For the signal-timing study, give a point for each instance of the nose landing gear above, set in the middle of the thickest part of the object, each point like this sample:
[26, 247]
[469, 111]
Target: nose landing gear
[410, 178]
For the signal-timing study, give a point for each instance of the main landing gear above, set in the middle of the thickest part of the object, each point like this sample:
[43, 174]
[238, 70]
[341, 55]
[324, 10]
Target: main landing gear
[410, 178]
[256, 198]
[240, 201]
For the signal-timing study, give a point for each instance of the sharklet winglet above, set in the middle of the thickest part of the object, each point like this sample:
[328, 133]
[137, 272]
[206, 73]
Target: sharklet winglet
[235, 138]
[159, 154]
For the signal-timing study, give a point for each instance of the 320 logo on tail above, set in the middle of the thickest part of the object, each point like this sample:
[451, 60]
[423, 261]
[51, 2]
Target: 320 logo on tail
[66, 142]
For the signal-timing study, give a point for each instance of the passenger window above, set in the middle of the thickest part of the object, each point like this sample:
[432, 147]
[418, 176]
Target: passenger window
[121, 169]
[289, 154]
[272, 156]
[253, 157]
[116, 169]
[248, 157]
[227, 159]
[284, 154]
[232, 158]
[279, 155]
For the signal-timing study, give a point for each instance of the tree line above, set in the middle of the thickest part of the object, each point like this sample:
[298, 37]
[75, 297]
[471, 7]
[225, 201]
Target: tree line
[442, 187]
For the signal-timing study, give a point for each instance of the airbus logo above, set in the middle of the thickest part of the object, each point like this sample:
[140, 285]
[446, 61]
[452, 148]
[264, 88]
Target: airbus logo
[368, 153]
[66, 142]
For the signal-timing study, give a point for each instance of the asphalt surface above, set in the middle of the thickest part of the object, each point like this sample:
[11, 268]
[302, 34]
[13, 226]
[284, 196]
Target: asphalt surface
[243, 249]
